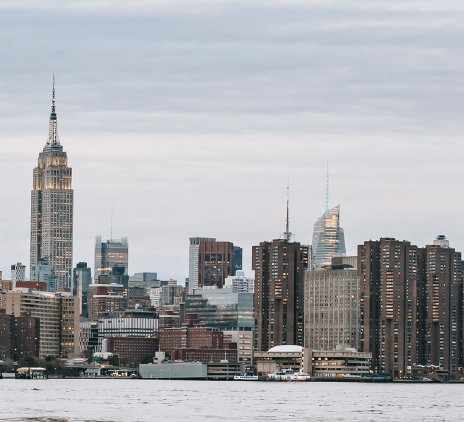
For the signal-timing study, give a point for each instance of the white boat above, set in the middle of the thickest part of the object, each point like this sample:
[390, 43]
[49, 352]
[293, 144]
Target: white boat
[247, 377]
[286, 374]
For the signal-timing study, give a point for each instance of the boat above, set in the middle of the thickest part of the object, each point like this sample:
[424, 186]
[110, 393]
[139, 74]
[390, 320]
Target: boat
[286, 374]
[28, 372]
[247, 377]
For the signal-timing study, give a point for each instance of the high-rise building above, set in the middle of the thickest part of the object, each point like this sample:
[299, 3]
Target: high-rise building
[52, 200]
[45, 273]
[194, 247]
[440, 298]
[388, 271]
[82, 278]
[279, 298]
[328, 238]
[216, 261]
[18, 273]
[238, 258]
[411, 306]
[109, 254]
[332, 306]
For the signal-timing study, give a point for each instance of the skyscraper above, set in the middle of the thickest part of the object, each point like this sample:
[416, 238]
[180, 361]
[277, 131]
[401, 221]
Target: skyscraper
[109, 254]
[328, 236]
[332, 306]
[411, 306]
[279, 281]
[216, 261]
[194, 247]
[52, 201]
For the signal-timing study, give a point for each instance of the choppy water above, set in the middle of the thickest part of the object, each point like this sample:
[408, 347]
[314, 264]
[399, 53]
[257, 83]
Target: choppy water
[108, 400]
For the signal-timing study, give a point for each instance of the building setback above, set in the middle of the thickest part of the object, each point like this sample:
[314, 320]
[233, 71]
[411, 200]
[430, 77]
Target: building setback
[52, 201]
[279, 301]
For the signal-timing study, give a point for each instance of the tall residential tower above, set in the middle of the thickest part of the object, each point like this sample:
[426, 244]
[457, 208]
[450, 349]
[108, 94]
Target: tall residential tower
[52, 201]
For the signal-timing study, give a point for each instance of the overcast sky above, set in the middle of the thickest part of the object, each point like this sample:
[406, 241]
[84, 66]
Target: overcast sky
[187, 118]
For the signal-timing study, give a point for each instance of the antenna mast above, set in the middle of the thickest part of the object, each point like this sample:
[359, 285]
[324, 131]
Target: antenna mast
[287, 234]
[111, 221]
[327, 190]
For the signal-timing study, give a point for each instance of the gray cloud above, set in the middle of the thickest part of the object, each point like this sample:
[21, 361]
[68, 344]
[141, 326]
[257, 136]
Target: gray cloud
[188, 119]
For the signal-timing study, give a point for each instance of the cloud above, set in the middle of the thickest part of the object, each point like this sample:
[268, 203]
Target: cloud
[187, 118]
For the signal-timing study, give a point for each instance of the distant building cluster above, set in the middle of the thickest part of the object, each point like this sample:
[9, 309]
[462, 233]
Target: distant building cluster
[395, 309]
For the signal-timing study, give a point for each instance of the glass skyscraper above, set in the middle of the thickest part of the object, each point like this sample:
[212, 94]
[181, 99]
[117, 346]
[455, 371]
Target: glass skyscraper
[328, 238]
[109, 254]
[52, 200]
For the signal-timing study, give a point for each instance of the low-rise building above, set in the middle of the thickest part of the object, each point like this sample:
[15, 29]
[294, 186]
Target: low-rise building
[135, 349]
[344, 361]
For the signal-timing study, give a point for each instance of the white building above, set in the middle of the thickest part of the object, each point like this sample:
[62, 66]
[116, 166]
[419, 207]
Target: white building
[240, 282]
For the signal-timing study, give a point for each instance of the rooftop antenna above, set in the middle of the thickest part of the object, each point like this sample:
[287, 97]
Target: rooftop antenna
[111, 221]
[327, 190]
[287, 234]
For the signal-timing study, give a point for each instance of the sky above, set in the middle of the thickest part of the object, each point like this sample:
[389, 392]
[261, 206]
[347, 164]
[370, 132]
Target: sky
[187, 118]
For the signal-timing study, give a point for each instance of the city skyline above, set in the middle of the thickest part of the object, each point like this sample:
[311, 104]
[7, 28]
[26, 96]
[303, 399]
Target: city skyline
[145, 128]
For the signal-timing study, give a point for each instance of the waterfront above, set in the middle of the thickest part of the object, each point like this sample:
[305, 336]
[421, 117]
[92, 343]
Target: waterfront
[111, 400]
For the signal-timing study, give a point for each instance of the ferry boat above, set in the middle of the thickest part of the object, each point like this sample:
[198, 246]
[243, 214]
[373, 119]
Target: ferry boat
[288, 374]
[247, 377]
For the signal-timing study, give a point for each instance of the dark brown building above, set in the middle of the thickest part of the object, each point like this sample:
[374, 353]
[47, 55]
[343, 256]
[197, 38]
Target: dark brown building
[190, 338]
[442, 331]
[204, 355]
[216, 261]
[133, 348]
[388, 271]
[19, 336]
[33, 285]
[279, 297]
[411, 306]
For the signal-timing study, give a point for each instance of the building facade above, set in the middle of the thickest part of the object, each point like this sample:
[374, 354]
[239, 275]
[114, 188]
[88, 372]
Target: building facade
[216, 261]
[328, 238]
[332, 308]
[194, 247]
[19, 336]
[411, 306]
[279, 298]
[240, 282]
[59, 321]
[52, 201]
[82, 279]
[18, 273]
[109, 254]
[45, 273]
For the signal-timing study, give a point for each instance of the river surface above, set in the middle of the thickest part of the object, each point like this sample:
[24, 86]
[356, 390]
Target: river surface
[108, 400]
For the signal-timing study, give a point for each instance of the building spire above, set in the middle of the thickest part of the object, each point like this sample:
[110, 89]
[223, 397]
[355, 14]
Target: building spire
[327, 190]
[287, 234]
[52, 130]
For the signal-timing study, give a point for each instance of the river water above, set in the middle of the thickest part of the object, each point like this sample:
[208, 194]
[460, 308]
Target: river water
[116, 400]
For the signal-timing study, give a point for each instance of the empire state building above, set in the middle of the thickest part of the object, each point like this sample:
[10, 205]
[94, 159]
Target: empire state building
[52, 201]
